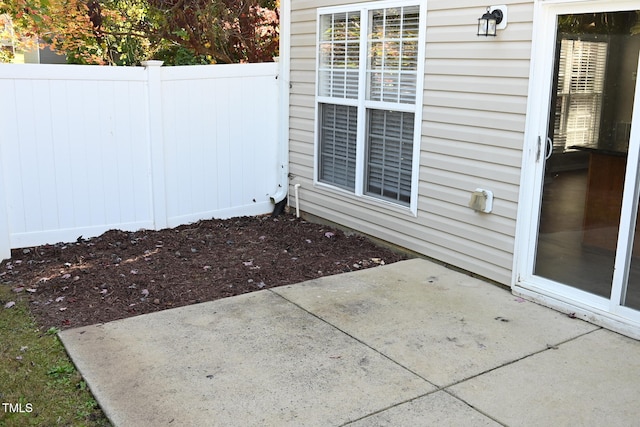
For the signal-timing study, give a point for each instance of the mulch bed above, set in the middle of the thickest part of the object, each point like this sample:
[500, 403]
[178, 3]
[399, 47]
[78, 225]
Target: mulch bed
[121, 274]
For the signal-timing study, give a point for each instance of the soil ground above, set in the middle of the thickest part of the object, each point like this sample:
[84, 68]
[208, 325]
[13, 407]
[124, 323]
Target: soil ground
[121, 274]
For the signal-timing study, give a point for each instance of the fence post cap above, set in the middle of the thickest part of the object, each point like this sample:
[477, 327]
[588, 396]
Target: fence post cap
[152, 63]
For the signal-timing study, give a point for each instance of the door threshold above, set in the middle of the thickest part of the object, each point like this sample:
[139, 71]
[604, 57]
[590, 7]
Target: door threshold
[584, 312]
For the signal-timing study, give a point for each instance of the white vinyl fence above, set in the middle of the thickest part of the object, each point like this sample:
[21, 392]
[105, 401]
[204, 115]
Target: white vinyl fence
[85, 149]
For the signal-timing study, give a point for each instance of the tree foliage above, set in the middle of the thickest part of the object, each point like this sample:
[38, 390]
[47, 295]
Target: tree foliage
[125, 32]
[623, 22]
[65, 25]
[223, 31]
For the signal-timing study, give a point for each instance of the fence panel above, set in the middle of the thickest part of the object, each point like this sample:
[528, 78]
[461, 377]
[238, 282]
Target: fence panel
[228, 114]
[82, 150]
[74, 152]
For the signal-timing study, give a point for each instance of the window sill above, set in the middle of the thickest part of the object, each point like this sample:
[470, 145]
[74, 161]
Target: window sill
[366, 201]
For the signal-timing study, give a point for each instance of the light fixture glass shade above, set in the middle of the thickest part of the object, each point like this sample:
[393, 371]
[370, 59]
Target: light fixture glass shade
[487, 25]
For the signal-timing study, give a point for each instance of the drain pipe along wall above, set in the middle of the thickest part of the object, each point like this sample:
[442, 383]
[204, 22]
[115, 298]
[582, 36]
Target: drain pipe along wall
[281, 192]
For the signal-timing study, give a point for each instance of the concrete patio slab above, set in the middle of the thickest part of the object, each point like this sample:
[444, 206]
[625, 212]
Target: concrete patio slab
[593, 380]
[415, 312]
[252, 360]
[361, 349]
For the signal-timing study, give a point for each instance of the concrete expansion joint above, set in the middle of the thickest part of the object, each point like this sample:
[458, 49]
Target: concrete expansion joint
[450, 393]
[391, 407]
[355, 338]
[439, 389]
[548, 347]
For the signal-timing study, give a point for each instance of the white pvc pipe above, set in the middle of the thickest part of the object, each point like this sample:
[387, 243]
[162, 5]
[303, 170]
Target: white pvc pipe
[284, 78]
[295, 191]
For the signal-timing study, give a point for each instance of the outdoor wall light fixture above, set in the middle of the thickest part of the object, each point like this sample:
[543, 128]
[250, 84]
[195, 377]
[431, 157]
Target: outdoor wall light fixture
[495, 18]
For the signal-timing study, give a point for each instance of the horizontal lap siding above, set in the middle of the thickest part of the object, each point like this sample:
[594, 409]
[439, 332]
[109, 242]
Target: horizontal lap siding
[475, 101]
[302, 109]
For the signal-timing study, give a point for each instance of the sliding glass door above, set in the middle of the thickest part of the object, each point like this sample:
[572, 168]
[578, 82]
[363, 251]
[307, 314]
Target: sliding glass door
[584, 245]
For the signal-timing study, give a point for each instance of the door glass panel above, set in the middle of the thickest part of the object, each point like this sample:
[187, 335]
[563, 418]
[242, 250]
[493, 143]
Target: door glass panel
[589, 125]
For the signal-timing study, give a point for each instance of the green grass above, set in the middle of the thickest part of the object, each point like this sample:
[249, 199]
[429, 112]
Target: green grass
[37, 376]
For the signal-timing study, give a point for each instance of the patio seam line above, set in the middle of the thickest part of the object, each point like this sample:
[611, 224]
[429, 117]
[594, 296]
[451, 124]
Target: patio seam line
[379, 411]
[356, 339]
[549, 347]
[438, 388]
[419, 397]
[387, 408]
[351, 336]
[491, 417]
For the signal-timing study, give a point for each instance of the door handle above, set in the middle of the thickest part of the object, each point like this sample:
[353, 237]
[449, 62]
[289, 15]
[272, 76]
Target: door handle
[548, 149]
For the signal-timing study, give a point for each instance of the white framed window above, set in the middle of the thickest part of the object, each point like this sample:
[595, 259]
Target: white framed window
[578, 103]
[370, 60]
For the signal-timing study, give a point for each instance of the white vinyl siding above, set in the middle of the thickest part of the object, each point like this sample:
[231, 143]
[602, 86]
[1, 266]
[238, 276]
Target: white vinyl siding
[471, 132]
[368, 70]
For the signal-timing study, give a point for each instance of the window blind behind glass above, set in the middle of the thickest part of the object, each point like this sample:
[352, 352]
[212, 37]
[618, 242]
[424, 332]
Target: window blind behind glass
[338, 133]
[390, 154]
[339, 55]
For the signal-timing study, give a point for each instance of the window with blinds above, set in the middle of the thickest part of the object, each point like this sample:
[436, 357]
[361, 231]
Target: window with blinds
[339, 55]
[338, 132]
[390, 152]
[393, 54]
[578, 105]
[368, 99]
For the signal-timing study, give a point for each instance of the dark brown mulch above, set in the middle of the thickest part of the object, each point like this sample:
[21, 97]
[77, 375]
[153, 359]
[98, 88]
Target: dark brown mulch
[121, 274]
